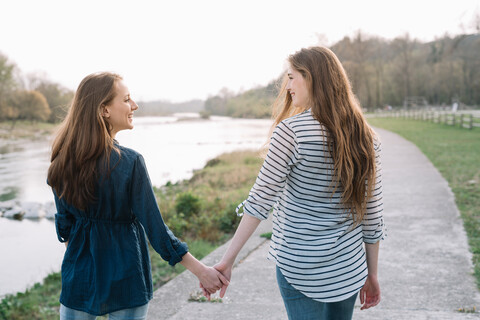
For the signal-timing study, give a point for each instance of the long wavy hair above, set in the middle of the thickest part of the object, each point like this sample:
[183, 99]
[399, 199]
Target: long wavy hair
[84, 137]
[333, 104]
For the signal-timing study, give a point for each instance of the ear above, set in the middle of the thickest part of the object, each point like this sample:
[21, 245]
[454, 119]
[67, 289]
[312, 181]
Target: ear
[105, 112]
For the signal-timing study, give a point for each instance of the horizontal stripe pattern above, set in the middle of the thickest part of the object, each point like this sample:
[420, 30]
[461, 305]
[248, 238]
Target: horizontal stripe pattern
[314, 242]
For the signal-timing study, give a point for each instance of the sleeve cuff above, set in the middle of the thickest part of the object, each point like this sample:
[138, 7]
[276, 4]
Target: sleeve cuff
[178, 255]
[248, 209]
[373, 236]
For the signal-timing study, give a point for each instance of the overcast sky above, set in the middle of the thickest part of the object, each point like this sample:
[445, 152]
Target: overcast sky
[180, 50]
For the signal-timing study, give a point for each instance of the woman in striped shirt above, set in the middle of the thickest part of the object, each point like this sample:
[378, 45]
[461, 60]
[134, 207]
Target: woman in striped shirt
[322, 180]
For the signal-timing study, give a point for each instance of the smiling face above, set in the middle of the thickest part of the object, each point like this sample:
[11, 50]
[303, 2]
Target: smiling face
[119, 112]
[297, 88]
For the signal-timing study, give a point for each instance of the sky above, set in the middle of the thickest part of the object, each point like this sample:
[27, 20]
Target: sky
[181, 50]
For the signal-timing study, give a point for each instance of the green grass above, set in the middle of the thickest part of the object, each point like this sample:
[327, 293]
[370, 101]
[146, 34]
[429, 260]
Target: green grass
[26, 129]
[38, 302]
[208, 218]
[267, 235]
[455, 152]
[204, 206]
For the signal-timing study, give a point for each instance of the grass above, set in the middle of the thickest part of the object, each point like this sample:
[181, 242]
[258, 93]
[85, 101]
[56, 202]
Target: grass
[212, 195]
[455, 152]
[467, 310]
[267, 235]
[198, 296]
[200, 211]
[38, 302]
[26, 129]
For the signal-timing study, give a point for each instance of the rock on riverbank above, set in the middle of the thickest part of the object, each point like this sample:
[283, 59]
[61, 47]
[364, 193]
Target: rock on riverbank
[19, 210]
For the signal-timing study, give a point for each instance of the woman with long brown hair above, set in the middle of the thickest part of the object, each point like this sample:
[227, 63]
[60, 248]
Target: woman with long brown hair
[106, 208]
[322, 178]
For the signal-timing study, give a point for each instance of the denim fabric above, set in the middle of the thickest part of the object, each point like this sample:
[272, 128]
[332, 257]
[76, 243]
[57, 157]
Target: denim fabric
[106, 266]
[301, 307]
[138, 313]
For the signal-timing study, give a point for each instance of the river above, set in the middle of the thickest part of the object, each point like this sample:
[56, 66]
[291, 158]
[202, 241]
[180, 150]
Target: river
[173, 147]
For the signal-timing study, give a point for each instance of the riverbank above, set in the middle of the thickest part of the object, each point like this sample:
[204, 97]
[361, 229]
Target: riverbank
[172, 150]
[201, 208]
[19, 130]
[13, 137]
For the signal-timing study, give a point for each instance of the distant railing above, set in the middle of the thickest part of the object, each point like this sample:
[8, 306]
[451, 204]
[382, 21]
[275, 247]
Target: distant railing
[462, 119]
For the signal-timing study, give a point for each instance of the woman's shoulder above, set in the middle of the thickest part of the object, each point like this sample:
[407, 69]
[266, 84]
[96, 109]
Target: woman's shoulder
[298, 118]
[302, 121]
[127, 154]
[305, 115]
[127, 151]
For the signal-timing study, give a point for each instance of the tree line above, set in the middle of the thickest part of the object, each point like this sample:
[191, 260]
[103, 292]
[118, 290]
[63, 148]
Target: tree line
[31, 97]
[163, 107]
[398, 72]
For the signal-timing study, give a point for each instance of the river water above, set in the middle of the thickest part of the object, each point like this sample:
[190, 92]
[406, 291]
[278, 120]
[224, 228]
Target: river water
[172, 147]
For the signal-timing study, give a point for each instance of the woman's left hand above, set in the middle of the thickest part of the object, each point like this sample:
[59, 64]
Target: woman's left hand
[211, 280]
[370, 293]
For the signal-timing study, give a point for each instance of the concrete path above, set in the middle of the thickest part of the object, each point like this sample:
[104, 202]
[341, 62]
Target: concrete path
[425, 267]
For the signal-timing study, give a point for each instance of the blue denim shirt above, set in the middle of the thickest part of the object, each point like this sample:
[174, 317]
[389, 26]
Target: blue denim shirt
[106, 266]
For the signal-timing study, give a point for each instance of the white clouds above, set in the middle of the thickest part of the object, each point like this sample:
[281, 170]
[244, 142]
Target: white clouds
[180, 50]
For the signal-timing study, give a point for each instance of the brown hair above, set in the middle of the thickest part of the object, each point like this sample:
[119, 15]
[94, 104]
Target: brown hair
[333, 104]
[83, 138]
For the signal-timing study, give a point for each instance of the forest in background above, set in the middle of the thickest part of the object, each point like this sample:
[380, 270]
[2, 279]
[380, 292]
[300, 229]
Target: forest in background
[163, 107]
[399, 72]
[31, 97]
[402, 72]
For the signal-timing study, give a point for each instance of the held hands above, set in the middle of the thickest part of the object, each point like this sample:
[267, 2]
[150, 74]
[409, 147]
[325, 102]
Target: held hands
[212, 280]
[247, 226]
[224, 273]
[226, 270]
[370, 293]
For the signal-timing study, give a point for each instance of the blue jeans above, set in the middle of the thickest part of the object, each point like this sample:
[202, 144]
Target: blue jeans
[138, 313]
[301, 307]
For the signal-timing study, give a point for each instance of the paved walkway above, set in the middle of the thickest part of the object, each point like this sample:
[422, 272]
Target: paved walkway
[425, 267]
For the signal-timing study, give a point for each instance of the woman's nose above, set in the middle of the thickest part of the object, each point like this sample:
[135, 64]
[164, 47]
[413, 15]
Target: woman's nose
[134, 105]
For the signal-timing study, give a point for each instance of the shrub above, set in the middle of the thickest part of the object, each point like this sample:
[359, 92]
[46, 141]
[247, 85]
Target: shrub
[177, 223]
[212, 162]
[188, 204]
[204, 226]
[228, 219]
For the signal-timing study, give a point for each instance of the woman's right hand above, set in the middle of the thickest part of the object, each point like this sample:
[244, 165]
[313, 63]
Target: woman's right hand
[212, 280]
[226, 270]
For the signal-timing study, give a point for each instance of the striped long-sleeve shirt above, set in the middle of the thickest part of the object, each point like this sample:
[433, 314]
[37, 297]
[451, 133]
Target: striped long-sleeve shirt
[313, 243]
